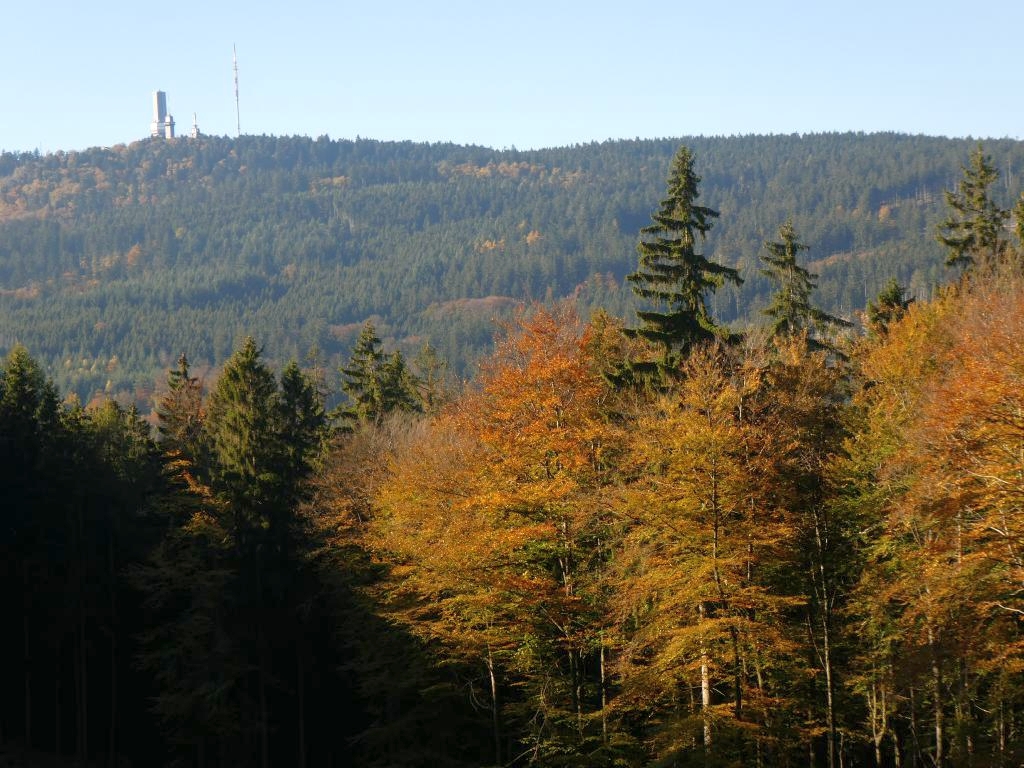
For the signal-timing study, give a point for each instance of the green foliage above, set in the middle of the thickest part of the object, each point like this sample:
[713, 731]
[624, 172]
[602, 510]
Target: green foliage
[114, 260]
[672, 274]
[973, 232]
[888, 307]
[375, 385]
[790, 310]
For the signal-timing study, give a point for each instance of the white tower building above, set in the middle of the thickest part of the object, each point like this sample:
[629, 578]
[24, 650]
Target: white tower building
[163, 123]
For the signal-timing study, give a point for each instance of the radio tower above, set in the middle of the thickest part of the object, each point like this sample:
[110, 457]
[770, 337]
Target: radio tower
[238, 119]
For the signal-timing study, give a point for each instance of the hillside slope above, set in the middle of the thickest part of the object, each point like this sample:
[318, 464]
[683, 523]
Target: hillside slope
[114, 261]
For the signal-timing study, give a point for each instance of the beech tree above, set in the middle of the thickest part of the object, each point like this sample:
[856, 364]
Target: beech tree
[494, 524]
[705, 639]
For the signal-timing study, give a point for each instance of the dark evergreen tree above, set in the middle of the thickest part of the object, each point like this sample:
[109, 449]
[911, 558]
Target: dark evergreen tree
[31, 524]
[973, 231]
[302, 423]
[431, 378]
[888, 307]
[179, 413]
[673, 275]
[790, 310]
[360, 381]
[375, 384]
[242, 430]
[398, 386]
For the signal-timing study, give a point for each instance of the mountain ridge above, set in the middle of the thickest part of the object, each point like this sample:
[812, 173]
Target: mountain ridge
[114, 261]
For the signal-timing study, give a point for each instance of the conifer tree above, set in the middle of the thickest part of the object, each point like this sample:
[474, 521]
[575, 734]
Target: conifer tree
[790, 310]
[302, 421]
[179, 413]
[673, 275]
[360, 377]
[243, 435]
[375, 384]
[888, 307]
[973, 232]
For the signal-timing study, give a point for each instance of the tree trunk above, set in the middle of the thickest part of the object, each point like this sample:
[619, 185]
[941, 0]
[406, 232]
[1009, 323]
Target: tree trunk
[83, 660]
[940, 757]
[301, 680]
[58, 747]
[604, 695]
[27, 654]
[264, 717]
[495, 712]
[915, 739]
[826, 641]
[705, 687]
[112, 734]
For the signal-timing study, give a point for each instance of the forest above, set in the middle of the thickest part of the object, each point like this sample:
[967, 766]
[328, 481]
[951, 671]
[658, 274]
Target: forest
[114, 261]
[661, 538]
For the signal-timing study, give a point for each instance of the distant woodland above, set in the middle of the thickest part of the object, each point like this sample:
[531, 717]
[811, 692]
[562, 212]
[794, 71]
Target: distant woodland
[115, 261]
[704, 499]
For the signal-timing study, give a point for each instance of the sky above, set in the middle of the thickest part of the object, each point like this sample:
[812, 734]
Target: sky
[520, 73]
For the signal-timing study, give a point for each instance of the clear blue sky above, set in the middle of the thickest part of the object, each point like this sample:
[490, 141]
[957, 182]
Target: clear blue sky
[527, 73]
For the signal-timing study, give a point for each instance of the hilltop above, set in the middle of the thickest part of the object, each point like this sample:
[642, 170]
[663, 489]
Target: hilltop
[113, 261]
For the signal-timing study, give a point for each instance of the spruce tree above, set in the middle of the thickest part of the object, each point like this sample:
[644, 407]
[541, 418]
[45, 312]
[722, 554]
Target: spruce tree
[888, 307]
[973, 232]
[359, 379]
[243, 437]
[179, 413]
[375, 384]
[790, 310]
[673, 275]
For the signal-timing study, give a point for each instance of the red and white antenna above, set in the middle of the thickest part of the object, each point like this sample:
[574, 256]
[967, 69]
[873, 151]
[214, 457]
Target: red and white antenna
[238, 119]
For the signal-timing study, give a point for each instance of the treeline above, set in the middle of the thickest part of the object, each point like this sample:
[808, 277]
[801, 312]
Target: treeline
[114, 260]
[662, 544]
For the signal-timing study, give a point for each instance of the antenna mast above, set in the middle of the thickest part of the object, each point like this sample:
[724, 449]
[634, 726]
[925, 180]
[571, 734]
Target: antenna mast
[238, 119]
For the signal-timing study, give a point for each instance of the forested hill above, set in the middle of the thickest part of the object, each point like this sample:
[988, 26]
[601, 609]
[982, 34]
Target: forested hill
[113, 261]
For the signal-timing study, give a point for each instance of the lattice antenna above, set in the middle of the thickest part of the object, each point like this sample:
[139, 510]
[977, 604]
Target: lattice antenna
[238, 118]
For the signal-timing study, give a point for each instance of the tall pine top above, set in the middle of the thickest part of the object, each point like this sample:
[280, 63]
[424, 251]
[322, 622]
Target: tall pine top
[671, 274]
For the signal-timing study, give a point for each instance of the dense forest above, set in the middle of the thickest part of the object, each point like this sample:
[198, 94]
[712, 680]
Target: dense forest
[653, 540]
[115, 261]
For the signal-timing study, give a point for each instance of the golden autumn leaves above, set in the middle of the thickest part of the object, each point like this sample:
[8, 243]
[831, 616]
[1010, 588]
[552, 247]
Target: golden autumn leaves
[773, 553]
[600, 551]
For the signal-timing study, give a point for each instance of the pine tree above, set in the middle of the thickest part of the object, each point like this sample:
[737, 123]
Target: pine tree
[791, 310]
[302, 423]
[888, 307]
[360, 378]
[673, 275]
[375, 384]
[179, 413]
[242, 431]
[973, 232]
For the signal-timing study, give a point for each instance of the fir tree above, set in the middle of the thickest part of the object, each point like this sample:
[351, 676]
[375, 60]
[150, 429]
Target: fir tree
[243, 435]
[179, 413]
[973, 232]
[888, 307]
[790, 310]
[360, 380]
[375, 384]
[673, 275]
